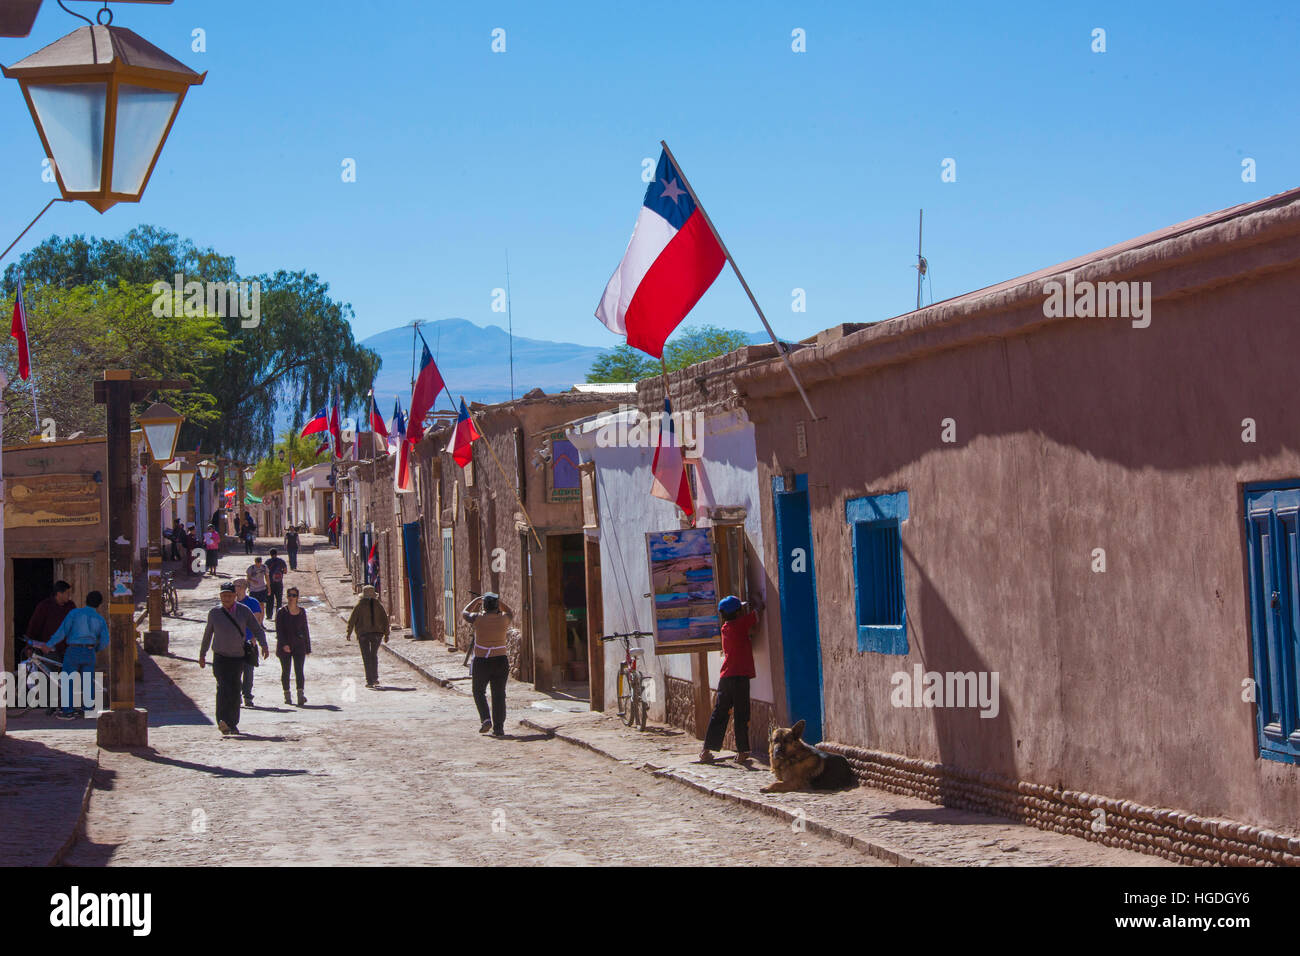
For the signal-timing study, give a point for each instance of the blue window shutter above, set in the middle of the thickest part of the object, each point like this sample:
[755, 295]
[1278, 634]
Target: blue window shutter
[1274, 567]
[878, 593]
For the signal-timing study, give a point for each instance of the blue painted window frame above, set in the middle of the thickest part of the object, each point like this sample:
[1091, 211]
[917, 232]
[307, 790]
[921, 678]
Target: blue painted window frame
[1272, 510]
[875, 523]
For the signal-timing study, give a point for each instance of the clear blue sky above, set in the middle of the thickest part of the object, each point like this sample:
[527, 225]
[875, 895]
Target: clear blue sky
[813, 165]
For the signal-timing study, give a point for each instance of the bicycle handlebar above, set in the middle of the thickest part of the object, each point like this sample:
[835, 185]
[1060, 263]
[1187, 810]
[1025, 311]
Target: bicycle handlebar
[614, 637]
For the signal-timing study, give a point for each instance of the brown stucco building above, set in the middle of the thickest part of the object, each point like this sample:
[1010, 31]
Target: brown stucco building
[1057, 504]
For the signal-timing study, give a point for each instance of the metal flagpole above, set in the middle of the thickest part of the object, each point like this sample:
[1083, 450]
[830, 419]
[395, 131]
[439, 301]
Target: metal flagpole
[668, 397]
[736, 269]
[504, 475]
[510, 321]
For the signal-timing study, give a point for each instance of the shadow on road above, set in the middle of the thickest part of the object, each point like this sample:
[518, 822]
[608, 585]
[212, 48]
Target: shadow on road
[153, 756]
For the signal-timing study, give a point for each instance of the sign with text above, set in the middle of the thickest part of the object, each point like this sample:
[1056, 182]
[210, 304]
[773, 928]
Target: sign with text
[43, 501]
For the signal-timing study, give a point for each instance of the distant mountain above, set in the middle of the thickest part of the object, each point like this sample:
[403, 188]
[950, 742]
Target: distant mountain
[475, 361]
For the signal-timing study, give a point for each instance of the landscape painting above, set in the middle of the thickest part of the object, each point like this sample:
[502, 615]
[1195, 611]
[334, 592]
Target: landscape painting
[683, 590]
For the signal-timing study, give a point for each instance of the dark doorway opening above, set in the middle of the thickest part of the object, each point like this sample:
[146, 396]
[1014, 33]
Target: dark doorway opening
[33, 583]
[567, 613]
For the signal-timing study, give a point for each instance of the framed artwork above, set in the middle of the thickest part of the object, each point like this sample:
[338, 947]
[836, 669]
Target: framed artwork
[564, 481]
[683, 591]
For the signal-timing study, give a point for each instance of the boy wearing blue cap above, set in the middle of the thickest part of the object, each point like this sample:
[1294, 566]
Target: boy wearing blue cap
[733, 682]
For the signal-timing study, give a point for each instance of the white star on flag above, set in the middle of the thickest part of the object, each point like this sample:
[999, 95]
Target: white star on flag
[672, 190]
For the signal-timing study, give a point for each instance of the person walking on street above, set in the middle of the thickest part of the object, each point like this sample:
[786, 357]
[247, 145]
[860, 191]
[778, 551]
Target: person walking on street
[733, 682]
[293, 644]
[86, 633]
[178, 539]
[491, 659]
[250, 665]
[212, 545]
[291, 545]
[275, 569]
[228, 622]
[249, 532]
[334, 530]
[370, 621]
[259, 582]
[48, 615]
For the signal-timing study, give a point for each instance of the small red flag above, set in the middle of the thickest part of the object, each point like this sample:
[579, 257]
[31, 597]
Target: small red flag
[19, 331]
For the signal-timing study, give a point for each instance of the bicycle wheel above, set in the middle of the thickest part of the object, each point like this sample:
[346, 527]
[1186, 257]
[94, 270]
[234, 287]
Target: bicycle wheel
[625, 696]
[640, 708]
[172, 605]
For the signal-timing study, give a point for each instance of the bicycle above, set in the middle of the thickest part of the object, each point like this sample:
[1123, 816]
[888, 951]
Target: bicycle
[32, 672]
[632, 705]
[171, 599]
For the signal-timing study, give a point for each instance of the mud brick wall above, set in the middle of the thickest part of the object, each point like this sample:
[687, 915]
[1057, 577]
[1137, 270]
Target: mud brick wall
[679, 704]
[1172, 834]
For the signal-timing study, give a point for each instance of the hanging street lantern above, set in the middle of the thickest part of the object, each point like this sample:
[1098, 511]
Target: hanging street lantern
[162, 426]
[104, 100]
[249, 473]
[206, 469]
[179, 478]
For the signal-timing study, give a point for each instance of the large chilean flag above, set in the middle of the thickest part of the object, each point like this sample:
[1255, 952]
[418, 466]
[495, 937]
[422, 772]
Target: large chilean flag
[670, 262]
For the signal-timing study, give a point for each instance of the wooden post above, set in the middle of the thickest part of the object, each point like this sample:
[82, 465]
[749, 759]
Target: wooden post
[155, 639]
[122, 725]
[703, 698]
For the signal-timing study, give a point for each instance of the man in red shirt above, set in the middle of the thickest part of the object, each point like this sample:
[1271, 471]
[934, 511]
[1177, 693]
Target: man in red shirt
[49, 614]
[733, 682]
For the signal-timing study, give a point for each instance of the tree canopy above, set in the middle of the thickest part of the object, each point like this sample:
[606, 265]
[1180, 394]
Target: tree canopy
[692, 344]
[244, 376]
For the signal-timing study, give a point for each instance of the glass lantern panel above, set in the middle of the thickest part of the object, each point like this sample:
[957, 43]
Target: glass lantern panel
[72, 116]
[142, 118]
[162, 439]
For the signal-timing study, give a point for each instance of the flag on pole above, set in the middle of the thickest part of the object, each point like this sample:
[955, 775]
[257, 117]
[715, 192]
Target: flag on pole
[402, 461]
[461, 447]
[293, 472]
[670, 262]
[377, 421]
[319, 423]
[19, 331]
[398, 431]
[669, 468]
[336, 432]
[323, 446]
[427, 386]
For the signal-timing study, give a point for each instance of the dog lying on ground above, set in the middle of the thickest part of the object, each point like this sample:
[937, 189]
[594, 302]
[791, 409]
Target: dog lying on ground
[799, 766]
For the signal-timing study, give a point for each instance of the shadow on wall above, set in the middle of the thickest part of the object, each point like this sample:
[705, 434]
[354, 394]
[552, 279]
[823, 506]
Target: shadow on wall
[964, 738]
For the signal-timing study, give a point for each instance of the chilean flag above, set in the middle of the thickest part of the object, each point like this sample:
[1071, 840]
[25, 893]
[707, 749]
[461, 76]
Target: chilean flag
[319, 422]
[427, 386]
[402, 463]
[19, 331]
[462, 448]
[670, 482]
[670, 262]
[399, 428]
[377, 421]
[336, 431]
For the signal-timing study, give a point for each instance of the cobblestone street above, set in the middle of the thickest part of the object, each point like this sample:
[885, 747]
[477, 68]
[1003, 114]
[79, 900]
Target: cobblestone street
[394, 776]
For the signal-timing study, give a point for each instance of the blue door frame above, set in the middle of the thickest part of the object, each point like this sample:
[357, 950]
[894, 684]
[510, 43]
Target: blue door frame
[800, 636]
[414, 577]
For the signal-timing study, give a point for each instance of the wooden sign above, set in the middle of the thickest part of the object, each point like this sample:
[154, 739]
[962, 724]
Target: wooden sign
[44, 501]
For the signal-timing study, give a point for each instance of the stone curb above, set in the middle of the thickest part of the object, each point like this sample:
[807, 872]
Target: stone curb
[79, 827]
[870, 847]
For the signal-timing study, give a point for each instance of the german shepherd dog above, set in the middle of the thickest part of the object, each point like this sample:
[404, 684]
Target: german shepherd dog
[798, 766]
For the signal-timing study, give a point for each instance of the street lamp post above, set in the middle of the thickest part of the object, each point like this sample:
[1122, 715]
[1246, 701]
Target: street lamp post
[161, 425]
[123, 724]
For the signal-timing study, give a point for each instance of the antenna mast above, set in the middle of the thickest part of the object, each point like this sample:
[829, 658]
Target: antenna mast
[415, 325]
[921, 265]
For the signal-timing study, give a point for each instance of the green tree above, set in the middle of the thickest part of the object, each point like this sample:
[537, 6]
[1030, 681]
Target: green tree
[622, 364]
[74, 334]
[690, 345]
[298, 451]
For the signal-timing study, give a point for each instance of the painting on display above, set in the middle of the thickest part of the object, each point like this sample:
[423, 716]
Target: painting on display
[565, 482]
[684, 592]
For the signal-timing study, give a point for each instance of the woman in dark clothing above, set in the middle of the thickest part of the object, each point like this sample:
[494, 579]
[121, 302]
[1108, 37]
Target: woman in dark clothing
[293, 643]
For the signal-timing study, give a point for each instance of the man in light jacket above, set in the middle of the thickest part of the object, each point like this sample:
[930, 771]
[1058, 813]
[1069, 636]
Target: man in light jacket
[227, 625]
[370, 621]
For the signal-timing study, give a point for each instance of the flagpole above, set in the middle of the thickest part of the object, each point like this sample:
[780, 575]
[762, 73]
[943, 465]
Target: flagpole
[27, 331]
[502, 469]
[667, 397]
[736, 269]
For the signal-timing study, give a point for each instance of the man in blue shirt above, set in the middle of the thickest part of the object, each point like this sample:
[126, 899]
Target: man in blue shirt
[253, 604]
[86, 633]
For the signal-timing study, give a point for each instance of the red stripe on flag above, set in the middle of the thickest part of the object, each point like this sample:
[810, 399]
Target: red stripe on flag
[674, 283]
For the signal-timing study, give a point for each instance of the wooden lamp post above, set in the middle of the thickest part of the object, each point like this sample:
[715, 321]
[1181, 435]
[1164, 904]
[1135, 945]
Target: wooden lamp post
[161, 425]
